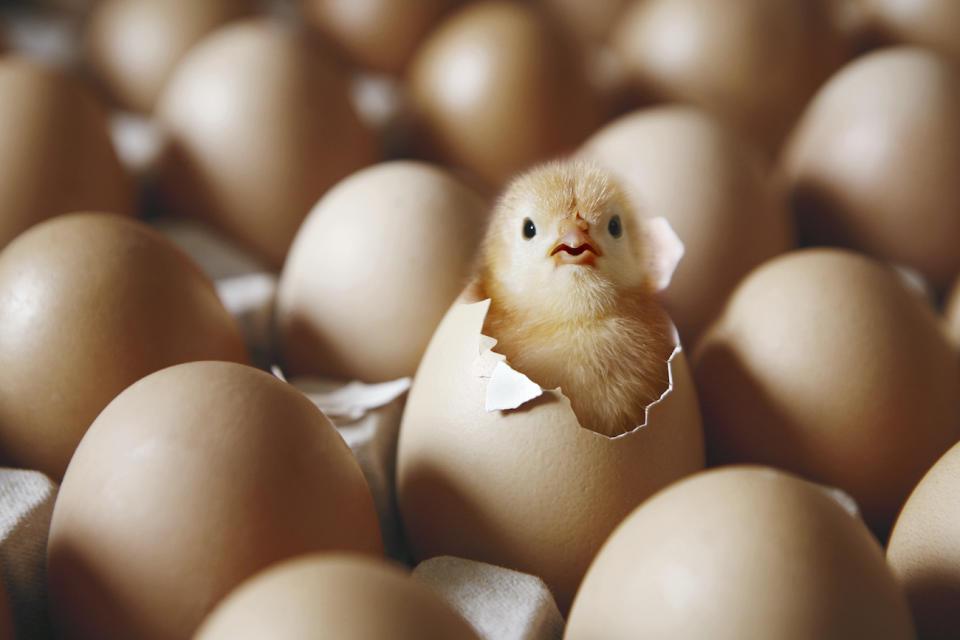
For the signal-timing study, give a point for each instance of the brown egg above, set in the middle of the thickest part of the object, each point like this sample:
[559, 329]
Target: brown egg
[89, 303]
[951, 310]
[190, 481]
[923, 550]
[589, 21]
[373, 269]
[874, 163]
[379, 34]
[134, 45]
[825, 364]
[931, 23]
[752, 62]
[261, 126]
[528, 488]
[55, 150]
[740, 552]
[714, 189]
[349, 597]
[497, 88]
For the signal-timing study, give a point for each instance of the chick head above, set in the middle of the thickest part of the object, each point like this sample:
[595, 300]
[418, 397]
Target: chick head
[565, 234]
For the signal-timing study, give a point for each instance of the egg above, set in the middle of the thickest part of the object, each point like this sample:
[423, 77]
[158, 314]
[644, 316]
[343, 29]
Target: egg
[530, 488]
[191, 480]
[923, 550]
[951, 311]
[349, 597]
[134, 45]
[740, 552]
[260, 126]
[497, 88]
[373, 269]
[378, 34]
[89, 303]
[682, 164]
[752, 62]
[589, 21]
[824, 363]
[931, 23]
[55, 150]
[874, 163]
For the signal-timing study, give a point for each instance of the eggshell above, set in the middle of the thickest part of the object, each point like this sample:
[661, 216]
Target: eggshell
[348, 597]
[498, 88]
[589, 21]
[261, 126]
[191, 480]
[825, 364]
[55, 150]
[874, 164]
[924, 551]
[528, 489]
[89, 303]
[716, 191]
[931, 23]
[740, 552]
[373, 269]
[134, 45]
[379, 34]
[752, 62]
[951, 311]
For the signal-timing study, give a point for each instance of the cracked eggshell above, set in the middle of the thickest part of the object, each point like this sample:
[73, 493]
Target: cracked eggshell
[529, 489]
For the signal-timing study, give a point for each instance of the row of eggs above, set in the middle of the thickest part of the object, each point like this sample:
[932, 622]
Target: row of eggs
[680, 160]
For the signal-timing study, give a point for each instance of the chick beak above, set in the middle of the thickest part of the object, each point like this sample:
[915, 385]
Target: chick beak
[575, 246]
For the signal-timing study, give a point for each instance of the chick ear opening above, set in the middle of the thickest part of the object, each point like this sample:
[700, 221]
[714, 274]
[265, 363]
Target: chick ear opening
[664, 249]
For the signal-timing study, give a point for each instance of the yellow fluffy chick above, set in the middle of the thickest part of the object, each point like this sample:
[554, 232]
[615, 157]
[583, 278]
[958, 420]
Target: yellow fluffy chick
[572, 305]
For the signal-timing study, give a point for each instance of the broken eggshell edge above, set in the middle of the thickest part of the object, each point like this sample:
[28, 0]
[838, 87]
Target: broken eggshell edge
[529, 488]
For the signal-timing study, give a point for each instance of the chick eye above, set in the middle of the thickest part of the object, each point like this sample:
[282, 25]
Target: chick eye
[614, 227]
[529, 229]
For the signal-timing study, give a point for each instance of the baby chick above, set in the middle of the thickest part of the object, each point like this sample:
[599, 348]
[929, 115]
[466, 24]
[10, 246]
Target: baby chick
[572, 305]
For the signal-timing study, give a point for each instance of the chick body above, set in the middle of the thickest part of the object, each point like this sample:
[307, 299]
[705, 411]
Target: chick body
[572, 305]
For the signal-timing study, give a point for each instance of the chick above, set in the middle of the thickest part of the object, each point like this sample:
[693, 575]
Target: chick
[572, 304]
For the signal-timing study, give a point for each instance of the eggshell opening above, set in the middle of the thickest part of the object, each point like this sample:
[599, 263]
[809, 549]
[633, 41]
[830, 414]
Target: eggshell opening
[527, 488]
[508, 389]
